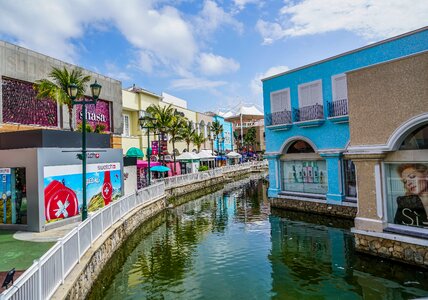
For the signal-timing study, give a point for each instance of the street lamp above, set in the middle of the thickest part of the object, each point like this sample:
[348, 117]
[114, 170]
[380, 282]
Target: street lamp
[147, 122]
[73, 90]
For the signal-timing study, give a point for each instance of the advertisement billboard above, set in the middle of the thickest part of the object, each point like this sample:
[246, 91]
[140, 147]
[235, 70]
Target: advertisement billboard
[99, 114]
[63, 188]
[6, 206]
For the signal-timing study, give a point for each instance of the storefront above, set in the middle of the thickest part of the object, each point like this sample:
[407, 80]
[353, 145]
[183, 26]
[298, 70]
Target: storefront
[42, 186]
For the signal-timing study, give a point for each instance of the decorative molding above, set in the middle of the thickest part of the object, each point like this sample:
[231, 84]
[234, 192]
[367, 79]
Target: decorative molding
[378, 183]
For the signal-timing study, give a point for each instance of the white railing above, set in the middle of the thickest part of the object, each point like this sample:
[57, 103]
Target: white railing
[41, 280]
[180, 180]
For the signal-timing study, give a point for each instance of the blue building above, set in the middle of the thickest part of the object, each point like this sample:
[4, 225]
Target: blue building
[306, 119]
[224, 142]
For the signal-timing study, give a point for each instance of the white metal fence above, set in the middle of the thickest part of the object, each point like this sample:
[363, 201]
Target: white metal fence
[179, 180]
[42, 279]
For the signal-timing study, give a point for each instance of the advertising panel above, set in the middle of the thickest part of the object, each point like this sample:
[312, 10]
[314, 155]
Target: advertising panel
[63, 188]
[407, 193]
[99, 114]
[305, 176]
[155, 147]
[6, 205]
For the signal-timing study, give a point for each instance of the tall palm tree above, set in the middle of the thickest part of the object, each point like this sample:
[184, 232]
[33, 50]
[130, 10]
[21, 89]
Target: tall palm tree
[163, 116]
[217, 129]
[57, 88]
[174, 130]
[187, 133]
[198, 140]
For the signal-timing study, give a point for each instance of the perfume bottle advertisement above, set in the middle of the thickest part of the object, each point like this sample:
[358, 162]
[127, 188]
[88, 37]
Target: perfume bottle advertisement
[63, 189]
[305, 176]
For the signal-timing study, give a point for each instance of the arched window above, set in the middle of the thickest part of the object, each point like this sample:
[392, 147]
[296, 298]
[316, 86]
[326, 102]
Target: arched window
[300, 147]
[417, 140]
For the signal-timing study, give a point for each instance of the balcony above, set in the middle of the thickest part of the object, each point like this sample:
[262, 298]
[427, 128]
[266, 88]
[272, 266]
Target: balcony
[279, 120]
[338, 111]
[309, 116]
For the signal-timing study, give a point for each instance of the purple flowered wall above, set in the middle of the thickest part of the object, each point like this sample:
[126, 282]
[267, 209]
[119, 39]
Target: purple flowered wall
[98, 115]
[21, 106]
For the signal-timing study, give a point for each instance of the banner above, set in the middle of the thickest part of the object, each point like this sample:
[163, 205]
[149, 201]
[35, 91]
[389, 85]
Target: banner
[407, 192]
[6, 206]
[155, 147]
[99, 114]
[63, 188]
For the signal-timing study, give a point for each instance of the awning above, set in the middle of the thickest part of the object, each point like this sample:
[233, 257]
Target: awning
[134, 152]
[144, 164]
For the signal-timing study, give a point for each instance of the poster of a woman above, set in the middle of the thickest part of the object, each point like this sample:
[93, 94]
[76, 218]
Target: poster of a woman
[412, 208]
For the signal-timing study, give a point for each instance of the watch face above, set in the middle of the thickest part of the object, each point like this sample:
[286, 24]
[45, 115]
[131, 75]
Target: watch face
[60, 201]
[107, 192]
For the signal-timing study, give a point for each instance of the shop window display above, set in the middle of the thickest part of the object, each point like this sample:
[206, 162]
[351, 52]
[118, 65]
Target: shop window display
[305, 176]
[13, 205]
[350, 180]
[407, 193]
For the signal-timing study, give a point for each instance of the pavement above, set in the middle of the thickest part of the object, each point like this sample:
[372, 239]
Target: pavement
[51, 235]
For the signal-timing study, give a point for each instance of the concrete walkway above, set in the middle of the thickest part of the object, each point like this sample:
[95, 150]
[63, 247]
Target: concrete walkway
[51, 235]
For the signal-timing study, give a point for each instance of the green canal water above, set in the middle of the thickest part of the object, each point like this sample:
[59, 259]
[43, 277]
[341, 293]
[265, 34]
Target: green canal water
[229, 245]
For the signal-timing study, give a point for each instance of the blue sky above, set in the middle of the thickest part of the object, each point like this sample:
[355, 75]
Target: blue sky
[211, 53]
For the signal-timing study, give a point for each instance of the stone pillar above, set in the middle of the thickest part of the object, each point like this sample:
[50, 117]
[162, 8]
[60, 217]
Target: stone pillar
[336, 191]
[274, 174]
[371, 215]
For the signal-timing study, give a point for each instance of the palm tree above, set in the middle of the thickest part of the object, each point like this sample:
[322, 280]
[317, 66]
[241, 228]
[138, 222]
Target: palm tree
[187, 133]
[198, 140]
[163, 115]
[217, 129]
[174, 130]
[57, 88]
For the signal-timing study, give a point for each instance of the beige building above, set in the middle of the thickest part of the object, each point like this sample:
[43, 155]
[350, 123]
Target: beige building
[388, 113]
[136, 100]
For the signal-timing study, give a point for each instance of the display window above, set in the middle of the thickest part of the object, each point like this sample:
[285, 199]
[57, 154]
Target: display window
[350, 179]
[305, 176]
[13, 204]
[407, 193]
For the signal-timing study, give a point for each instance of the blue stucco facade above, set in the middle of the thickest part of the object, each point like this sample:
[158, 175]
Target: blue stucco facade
[226, 136]
[327, 136]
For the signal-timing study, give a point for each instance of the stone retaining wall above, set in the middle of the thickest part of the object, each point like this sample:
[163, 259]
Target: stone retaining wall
[322, 208]
[396, 250]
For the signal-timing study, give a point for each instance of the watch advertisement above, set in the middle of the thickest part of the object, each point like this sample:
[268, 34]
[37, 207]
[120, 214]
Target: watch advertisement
[6, 205]
[63, 189]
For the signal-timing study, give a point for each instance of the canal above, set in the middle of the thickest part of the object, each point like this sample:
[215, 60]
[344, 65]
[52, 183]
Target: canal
[229, 245]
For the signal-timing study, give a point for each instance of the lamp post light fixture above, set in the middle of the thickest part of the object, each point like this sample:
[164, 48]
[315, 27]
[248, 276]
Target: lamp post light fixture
[147, 122]
[73, 90]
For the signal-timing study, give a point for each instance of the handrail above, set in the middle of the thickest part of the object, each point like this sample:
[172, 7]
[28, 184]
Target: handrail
[45, 275]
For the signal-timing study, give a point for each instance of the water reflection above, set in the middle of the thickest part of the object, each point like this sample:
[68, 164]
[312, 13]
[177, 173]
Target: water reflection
[228, 245]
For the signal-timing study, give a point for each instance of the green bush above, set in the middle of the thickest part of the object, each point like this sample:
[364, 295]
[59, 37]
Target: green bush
[203, 168]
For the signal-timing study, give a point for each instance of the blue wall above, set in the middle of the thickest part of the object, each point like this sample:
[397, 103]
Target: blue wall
[329, 135]
[227, 135]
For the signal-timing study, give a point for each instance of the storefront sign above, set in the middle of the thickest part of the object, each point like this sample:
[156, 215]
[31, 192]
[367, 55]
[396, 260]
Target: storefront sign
[63, 188]
[305, 176]
[407, 193]
[99, 114]
[155, 147]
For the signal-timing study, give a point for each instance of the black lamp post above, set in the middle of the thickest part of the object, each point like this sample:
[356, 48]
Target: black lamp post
[72, 92]
[147, 122]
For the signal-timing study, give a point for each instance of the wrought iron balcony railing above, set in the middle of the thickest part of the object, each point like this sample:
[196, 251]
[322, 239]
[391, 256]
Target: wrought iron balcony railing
[307, 113]
[338, 108]
[278, 118]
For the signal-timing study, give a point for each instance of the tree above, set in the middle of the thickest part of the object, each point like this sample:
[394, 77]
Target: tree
[187, 133]
[174, 130]
[198, 140]
[57, 88]
[250, 138]
[163, 116]
[217, 129]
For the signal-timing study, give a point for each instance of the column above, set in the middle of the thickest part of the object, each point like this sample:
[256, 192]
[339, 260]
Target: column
[371, 215]
[336, 193]
[274, 174]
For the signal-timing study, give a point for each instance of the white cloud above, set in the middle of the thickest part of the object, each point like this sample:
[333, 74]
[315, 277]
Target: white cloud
[211, 64]
[371, 19]
[50, 26]
[195, 84]
[114, 72]
[242, 3]
[213, 17]
[256, 84]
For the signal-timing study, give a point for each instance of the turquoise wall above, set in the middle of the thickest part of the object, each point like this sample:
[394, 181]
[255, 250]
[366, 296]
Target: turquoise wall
[330, 135]
[227, 131]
